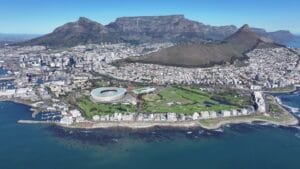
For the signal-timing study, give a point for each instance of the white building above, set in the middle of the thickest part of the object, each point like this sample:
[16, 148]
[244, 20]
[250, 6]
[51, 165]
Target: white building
[204, 115]
[66, 120]
[96, 117]
[7, 92]
[196, 116]
[226, 113]
[75, 113]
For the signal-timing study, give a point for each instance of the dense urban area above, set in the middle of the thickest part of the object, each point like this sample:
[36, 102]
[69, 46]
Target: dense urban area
[58, 84]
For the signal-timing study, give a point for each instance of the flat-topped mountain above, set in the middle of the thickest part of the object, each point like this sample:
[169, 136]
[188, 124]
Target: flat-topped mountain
[175, 28]
[171, 28]
[193, 55]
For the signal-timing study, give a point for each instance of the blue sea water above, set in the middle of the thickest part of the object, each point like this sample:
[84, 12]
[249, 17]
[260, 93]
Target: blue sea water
[3, 71]
[291, 101]
[239, 146]
[295, 43]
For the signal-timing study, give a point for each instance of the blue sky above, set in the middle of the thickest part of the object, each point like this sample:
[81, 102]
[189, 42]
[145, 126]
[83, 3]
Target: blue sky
[41, 16]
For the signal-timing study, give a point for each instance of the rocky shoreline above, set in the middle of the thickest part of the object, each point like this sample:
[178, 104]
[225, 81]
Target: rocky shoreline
[210, 125]
[251, 118]
[188, 124]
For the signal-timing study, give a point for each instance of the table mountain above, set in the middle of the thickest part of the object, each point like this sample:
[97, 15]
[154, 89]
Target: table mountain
[174, 28]
[140, 29]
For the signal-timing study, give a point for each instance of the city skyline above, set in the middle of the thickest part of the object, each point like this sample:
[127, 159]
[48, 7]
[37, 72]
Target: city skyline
[35, 17]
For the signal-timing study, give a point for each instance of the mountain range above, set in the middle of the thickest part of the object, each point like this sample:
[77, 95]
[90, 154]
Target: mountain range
[141, 29]
[229, 50]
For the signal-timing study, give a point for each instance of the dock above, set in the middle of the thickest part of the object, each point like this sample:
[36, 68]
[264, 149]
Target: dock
[35, 122]
[7, 78]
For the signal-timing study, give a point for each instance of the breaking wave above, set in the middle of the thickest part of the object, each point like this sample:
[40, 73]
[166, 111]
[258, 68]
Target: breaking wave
[294, 110]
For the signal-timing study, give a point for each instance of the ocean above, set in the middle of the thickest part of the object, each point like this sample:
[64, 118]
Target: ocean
[291, 101]
[295, 43]
[237, 146]
[2, 71]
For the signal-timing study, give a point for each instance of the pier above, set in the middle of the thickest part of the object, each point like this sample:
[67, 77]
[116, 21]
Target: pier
[7, 78]
[35, 122]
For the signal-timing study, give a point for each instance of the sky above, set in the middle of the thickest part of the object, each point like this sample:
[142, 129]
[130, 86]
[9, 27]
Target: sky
[43, 16]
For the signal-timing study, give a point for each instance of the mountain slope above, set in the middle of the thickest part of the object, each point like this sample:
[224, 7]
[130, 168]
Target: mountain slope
[82, 31]
[172, 28]
[281, 36]
[203, 55]
[141, 29]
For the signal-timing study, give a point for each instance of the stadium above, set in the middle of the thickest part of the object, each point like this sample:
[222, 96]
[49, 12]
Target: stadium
[108, 94]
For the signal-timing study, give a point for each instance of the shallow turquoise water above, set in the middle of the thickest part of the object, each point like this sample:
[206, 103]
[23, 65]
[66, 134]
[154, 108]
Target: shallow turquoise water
[240, 146]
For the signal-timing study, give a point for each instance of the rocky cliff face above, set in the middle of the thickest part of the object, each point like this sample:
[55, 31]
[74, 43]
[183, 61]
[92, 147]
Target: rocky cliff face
[172, 28]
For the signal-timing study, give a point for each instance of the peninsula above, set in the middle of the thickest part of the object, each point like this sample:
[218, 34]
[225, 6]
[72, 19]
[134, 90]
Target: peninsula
[87, 75]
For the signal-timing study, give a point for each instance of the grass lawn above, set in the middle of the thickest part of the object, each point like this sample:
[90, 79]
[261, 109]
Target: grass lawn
[100, 83]
[276, 111]
[188, 100]
[259, 117]
[90, 108]
[170, 99]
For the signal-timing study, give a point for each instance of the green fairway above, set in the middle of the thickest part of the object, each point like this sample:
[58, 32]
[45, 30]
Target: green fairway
[90, 108]
[170, 99]
[188, 100]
